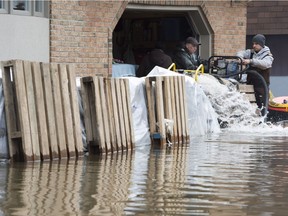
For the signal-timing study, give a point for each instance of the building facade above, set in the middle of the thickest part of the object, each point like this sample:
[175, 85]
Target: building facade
[81, 32]
[90, 34]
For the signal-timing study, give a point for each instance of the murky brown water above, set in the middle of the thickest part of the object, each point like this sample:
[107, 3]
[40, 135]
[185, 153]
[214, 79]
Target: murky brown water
[231, 175]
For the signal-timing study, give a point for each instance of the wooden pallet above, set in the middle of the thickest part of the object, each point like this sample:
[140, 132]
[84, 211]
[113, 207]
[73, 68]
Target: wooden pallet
[168, 101]
[248, 91]
[42, 112]
[107, 114]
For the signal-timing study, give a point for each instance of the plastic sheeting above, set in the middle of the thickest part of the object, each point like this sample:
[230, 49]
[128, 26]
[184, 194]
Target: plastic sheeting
[81, 111]
[202, 118]
[139, 111]
[3, 133]
[124, 70]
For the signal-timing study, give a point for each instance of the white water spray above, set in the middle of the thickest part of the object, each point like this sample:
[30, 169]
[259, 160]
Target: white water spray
[234, 109]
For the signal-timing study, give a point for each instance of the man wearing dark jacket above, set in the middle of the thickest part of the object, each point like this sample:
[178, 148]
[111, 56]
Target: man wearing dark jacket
[185, 57]
[156, 57]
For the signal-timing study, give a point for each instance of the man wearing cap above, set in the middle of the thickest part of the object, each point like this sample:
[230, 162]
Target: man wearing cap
[186, 57]
[260, 59]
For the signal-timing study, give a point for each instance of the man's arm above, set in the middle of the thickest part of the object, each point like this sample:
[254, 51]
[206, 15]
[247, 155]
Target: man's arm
[264, 63]
[244, 54]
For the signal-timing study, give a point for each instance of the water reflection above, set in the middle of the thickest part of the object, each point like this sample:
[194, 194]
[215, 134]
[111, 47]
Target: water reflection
[85, 187]
[43, 188]
[229, 174]
[157, 191]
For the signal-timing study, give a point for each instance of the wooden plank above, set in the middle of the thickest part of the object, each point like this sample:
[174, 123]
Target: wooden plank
[116, 114]
[177, 110]
[22, 104]
[110, 113]
[250, 97]
[125, 113]
[160, 109]
[99, 119]
[75, 110]
[40, 110]
[92, 102]
[182, 113]
[32, 113]
[248, 91]
[187, 132]
[173, 104]
[168, 104]
[51, 116]
[58, 109]
[130, 119]
[105, 115]
[167, 99]
[67, 111]
[12, 122]
[150, 104]
[120, 113]
[246, 88]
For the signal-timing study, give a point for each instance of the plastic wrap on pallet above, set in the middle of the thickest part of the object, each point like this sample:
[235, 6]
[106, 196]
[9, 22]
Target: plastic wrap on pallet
[3, 133]
[202, 118]
[124, 70]
[81, 111]
[139, 111]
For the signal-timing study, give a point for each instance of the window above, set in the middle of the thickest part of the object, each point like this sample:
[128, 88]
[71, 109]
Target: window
[21, 5]
[39, 8]
[25, 7]
[3, 6]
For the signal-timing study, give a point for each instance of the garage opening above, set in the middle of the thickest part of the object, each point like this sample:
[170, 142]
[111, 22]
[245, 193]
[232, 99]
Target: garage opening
[141, 27]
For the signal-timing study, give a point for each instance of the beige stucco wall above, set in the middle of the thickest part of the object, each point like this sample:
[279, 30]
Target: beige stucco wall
[24, 37]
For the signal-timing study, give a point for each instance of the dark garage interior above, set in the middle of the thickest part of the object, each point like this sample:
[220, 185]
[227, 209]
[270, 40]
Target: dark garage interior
[137, 32]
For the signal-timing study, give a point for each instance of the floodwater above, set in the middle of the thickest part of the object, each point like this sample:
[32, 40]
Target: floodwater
[243, 170]
[225, 174]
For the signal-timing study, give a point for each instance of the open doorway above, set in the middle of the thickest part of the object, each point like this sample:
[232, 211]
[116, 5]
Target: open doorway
[140, 28]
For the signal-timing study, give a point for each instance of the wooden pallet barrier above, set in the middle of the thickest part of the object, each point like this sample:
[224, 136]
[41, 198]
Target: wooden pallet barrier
[42, 112]
[166, 101]
[107, 114]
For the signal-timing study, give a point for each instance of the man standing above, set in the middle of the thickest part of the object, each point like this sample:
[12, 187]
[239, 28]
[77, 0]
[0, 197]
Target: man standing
[186, 57]
[260, 59]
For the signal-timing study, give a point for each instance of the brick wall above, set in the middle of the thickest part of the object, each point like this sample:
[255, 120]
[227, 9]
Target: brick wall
[267, 17]
[228, 21]
[81, 31]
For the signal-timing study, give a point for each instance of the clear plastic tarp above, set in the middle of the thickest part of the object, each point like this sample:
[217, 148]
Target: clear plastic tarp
[3, 134]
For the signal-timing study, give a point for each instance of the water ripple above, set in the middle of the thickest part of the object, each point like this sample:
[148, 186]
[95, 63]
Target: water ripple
[226, 174]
